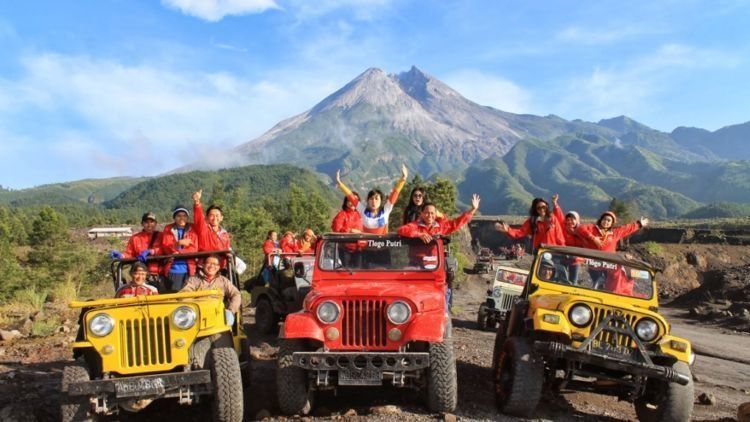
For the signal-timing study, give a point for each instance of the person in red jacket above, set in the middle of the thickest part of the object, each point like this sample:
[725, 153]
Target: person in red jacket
[307, 243]
[288, 243]
[540, 225]
[177, 238]
[604, 236]
[569, 224]
[348, 220]
[138, 285]
[144, 243]
[211, 235]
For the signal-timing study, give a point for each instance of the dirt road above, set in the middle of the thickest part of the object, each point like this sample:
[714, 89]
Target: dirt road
[30, 374]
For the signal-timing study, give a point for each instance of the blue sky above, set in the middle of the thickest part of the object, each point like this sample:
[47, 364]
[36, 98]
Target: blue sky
[103, 88]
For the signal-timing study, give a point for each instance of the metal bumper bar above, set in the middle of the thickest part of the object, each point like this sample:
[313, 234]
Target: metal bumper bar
[379, 361]
[140, 386]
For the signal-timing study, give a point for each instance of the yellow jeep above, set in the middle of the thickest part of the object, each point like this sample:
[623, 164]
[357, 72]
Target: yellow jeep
[589, 320]
[132, 351]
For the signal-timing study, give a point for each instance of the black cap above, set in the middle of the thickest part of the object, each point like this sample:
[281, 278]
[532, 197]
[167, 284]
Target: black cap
[180, 208]
[148, 216]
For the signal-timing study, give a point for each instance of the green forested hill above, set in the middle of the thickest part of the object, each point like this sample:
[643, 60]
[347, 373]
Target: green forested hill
[250, 183]
[87, 191]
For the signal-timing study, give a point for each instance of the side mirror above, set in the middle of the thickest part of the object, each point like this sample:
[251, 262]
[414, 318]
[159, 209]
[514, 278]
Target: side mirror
[299, 269]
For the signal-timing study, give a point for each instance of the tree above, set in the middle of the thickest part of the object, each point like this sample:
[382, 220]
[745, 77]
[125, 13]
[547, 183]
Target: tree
[306, 210]
[249, 230]
[621, 208]
[441, 192]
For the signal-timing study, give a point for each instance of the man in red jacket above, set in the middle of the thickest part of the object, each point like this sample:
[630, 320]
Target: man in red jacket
[144, 243]
[211, 235]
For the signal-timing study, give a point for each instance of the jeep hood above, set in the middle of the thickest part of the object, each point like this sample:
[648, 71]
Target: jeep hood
[143, 300]
[560, 302]
[425, 296]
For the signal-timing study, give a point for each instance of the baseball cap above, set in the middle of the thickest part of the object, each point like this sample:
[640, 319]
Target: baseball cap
[180, 208]
[148, 216]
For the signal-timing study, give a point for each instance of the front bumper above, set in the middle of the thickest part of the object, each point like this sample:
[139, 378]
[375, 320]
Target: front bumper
[361, 368]
[162, 385]
[613, 361]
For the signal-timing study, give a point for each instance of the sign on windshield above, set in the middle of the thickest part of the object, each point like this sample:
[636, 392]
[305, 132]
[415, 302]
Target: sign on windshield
[394, 254]
[595, 274]
[512, 277]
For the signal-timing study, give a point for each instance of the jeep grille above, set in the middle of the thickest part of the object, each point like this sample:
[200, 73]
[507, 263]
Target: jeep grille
[609, 337]
[146, 341]
[364, 323]
[505, 301]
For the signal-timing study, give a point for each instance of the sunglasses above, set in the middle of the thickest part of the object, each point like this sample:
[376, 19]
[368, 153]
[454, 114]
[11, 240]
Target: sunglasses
[417, 195]
[541, 207]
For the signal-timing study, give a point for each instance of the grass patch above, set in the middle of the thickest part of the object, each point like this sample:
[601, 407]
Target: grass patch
[31, 298]
[653, 248]
[65, 292]
[44, 328]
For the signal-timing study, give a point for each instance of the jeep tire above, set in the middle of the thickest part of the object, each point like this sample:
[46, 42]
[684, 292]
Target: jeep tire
[75, 408]
[667, 401]
[227, 405]
[442, 385]
[482, 317]
[266, 320]
[292, 385]
[518, 377]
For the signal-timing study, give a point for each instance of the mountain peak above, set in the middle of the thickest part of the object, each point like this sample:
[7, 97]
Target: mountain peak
[623, 124]
[373, 86]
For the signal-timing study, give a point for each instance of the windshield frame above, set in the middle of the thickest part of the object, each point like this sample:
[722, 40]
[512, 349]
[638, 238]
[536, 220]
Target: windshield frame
[382, 240]
[590, 254]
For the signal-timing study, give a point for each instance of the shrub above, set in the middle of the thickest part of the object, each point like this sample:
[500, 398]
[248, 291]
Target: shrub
[653, 248]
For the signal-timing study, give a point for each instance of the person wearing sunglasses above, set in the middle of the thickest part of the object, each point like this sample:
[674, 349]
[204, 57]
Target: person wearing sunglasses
[540, 225]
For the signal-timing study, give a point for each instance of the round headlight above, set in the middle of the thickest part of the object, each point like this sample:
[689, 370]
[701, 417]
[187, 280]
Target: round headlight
[580, 315]
[497, 292]
[101, 325]
[184, 317]
[399, 312]
[328, 312]
[646, 329]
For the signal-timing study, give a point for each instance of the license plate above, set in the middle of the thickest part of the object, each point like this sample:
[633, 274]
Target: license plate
[139, 387]
[365, 376]
[611, 348]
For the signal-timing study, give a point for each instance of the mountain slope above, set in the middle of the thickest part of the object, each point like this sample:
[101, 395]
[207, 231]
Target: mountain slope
[728, 143]
[87, 191]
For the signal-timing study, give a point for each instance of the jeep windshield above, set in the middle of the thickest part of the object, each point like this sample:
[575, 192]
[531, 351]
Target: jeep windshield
[512, 277]
[378, 254]
[595, 274]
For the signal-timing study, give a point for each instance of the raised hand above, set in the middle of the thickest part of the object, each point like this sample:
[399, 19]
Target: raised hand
[555, 197]
[644, 221]
[404, 172]
[338, 176]
[197, 196]
[474, 202]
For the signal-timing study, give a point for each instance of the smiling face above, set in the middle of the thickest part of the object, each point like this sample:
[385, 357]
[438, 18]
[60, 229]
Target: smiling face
[541, 209]
[149, 225]
[546, 272]
[211, 266]
[180, 219]
[429, 214]
[606, 222]
[570, 222]
[139, 277]
[214, 218]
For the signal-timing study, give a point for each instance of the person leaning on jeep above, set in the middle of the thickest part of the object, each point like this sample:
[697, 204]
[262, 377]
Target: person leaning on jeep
[212, 280]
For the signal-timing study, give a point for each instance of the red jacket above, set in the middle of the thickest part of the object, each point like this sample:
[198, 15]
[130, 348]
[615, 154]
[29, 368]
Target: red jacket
[609, 238]
[548, 232]
[141, 241]
[618, 282]
[288, 245]
[208, 239]
[444, 227]
[268, 247]
[169, 246]
[347, 220]
[570, 237]
[131, 290]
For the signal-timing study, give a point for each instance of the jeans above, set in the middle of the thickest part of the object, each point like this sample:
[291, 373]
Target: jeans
[176, 281]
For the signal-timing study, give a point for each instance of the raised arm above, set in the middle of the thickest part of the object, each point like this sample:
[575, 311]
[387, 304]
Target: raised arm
[393, 197]
[347, 192]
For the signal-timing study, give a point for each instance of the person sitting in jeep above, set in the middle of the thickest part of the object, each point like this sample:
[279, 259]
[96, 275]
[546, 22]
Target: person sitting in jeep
[211, 280]
[138, 285]
[549, 271]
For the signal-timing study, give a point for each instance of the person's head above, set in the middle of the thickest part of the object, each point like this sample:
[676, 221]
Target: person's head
[429, 213]
[546, 270]
[572, 219]
[272, 235]
[148, 222]
[308, 235]
[347, 204]
[374, 200]
[214, 216]
[211, 265]
[138, 273]
[417, 197]
[289, 235]
[607, 220]
[180, 215]
[539, 208]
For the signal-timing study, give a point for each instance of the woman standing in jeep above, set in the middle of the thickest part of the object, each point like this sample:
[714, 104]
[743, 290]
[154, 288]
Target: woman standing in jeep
[540, 225]
[376, 213]
[604, 236]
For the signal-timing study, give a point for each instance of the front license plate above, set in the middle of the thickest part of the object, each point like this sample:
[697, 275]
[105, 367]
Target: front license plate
[611, 348]
[365, 376]
[139, 387]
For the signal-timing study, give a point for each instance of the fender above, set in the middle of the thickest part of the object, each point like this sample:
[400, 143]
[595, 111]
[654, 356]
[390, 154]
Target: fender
[302, 325]
[428, 326]
[560, 327]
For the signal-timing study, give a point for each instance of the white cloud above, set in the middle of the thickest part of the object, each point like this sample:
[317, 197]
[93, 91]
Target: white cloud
[588, 36]
[629, 88]
[216, 10]
[490, 90]
[362, 10]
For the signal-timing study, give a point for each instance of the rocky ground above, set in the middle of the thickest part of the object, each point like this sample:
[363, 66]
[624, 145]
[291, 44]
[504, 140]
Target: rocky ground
[30, 370]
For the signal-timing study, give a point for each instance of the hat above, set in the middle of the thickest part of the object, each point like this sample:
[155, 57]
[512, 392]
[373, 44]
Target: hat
[575, 216]
[148, 216]
[609, 213]
[547, 263]
[180, 208]
[138, 266]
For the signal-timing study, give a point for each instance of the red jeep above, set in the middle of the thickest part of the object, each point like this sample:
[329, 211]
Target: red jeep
[375, 315]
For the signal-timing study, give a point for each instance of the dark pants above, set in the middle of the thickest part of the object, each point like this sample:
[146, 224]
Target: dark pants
[598, 277]
[176, 281]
